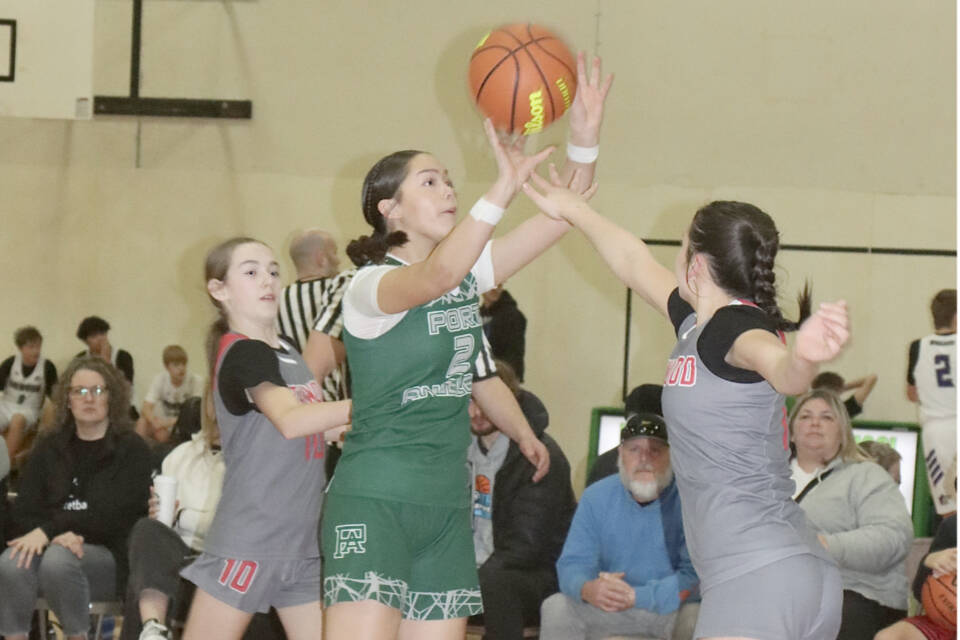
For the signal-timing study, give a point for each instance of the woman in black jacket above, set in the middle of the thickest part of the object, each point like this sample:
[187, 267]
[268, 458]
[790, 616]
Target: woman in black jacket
[81, 491]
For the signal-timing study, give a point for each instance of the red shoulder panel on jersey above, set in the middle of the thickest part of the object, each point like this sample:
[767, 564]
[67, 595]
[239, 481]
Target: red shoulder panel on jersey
[225, 341]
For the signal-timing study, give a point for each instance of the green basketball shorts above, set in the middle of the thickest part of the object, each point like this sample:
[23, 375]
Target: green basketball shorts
[415, 558]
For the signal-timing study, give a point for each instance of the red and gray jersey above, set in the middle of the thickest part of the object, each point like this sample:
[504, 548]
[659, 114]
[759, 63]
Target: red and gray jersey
[931, 369]
[729, 450]
[272, 486]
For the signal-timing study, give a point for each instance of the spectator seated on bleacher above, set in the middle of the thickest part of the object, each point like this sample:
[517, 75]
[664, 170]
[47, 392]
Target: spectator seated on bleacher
[158, 552]
[166, 396]
[642, 399]
[518, 525]
[857, 511]
[82, 489]
[885, 455]
[625, 568]
[26, 380]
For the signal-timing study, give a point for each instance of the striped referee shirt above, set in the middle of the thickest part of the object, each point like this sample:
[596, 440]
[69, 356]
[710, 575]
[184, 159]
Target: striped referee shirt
[316, 304]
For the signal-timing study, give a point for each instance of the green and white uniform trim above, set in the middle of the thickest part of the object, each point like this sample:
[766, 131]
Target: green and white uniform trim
[442, 605]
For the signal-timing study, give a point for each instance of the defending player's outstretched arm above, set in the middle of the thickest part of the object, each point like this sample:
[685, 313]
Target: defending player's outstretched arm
[293, 419]
[516, 249]
[821, 338]
[627, 255]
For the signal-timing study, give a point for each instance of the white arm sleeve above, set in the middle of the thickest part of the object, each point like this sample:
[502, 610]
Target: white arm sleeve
[483, 270]
[362, 315]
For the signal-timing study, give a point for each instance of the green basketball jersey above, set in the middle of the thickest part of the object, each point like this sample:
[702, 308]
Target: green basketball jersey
[411, 387]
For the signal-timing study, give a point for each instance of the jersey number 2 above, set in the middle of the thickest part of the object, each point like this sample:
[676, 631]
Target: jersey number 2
[462, 350]
[943, 369]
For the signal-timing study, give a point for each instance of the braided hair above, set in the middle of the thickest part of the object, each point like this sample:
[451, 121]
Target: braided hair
[741, 243]
[382, 183]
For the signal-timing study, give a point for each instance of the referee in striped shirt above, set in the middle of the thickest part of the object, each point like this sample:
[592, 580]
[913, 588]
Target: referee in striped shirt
[310, 314]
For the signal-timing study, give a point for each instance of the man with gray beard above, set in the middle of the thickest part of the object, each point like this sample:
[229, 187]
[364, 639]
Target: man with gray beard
[624, 569]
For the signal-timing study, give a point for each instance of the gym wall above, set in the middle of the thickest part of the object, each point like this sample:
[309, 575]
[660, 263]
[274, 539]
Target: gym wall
[839, 119]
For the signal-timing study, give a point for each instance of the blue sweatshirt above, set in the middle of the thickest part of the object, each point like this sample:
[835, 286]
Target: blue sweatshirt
[612, 532]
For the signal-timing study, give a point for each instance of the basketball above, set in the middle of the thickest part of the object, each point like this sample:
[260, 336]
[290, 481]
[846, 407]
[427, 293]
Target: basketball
[523, 77]
[939, 596]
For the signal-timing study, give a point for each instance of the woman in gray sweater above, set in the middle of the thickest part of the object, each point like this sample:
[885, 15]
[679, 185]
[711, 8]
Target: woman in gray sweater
[857, 510]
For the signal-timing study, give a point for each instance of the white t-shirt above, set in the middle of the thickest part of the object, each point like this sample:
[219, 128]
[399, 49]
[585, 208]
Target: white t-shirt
[363, 317]
[802, 478]
[167, 399]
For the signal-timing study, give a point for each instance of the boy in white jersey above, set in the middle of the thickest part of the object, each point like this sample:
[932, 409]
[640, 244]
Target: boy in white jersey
[931, 384]
[25, 379]
[167, 393]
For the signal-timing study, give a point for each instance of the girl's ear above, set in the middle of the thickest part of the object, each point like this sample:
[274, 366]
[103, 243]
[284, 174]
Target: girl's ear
[386, 207]
[697, 265]
[217, 289]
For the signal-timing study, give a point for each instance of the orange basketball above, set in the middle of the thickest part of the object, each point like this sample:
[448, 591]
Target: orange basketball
[523, 77]
[939, 596]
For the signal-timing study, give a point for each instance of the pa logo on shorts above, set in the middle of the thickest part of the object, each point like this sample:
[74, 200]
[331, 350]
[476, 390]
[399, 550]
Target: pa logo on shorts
[351, 538]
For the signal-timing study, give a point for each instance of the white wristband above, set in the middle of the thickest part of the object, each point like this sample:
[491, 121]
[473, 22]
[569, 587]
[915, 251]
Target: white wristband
[583, 155]
[486, 211]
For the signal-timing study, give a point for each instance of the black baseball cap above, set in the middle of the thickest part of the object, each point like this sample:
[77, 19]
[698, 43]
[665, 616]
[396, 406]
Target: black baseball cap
[647, 425]
[644, 399]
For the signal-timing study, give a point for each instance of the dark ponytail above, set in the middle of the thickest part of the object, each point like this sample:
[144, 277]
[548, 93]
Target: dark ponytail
[215, 268]
[741, 242]
[382, 183]
[373, 249]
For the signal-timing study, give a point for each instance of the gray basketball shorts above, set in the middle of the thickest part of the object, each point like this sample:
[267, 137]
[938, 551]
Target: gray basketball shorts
[256, 585]
[797, 598]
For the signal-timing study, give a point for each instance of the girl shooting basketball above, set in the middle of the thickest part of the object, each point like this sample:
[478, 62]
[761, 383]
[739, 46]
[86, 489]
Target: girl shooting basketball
[398, 549]
[262, 548]
[723, 403]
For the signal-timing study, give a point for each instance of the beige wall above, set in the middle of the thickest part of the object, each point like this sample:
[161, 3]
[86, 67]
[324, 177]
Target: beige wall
[838, 118]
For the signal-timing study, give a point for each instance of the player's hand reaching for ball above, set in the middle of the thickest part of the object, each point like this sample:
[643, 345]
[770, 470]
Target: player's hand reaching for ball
[824, 334]
[514, 166]
[536, 452]
[586, 112]
[557, 199]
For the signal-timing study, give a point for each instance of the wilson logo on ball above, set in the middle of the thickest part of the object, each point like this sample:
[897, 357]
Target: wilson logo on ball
[535, 123]
[523, 77]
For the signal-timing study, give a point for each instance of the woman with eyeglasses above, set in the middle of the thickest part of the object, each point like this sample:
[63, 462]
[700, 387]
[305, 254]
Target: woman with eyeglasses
[84, 486]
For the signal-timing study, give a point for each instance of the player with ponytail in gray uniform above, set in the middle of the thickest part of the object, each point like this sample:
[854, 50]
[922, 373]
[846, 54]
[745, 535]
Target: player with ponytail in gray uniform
[262, 549]
[764, 574]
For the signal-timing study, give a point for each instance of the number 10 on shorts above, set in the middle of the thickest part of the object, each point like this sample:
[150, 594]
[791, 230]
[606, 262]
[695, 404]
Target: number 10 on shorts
[238, 574]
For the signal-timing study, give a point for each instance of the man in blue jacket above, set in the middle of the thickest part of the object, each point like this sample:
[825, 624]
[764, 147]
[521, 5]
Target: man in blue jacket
[624, 568]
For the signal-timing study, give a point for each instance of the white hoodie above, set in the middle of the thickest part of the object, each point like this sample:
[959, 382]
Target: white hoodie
[199, 474]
